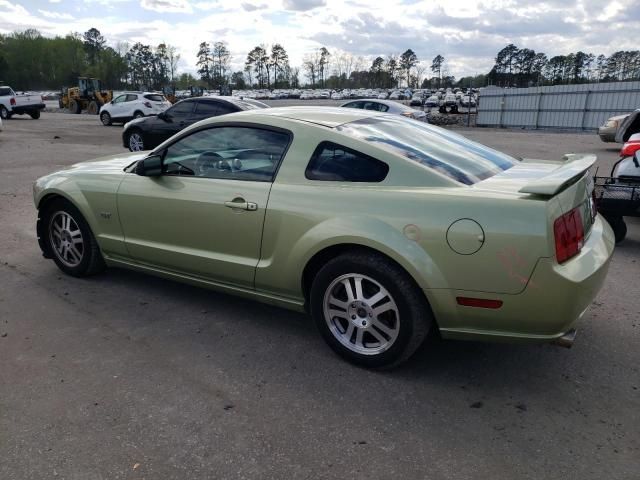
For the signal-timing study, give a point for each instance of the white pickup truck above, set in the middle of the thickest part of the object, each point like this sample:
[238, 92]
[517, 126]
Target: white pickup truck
[11, 103]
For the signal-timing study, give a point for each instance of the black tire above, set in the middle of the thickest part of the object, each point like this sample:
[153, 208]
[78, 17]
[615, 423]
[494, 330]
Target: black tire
[35, 114]
[413, 321]
[91, 261]
[4, 113]
[138, 114]
[619, 227]
[136, 134]
[60, 104]
[93, 108]
[105, 118]
[74, 107]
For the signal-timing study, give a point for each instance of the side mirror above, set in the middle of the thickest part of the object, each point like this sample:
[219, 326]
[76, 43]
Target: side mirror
[112, 102]
[164, 116]
[150, 166]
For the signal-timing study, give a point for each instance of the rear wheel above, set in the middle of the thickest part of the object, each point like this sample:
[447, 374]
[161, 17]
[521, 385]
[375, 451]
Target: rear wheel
[138, 114]
[4, 113]
[135, 141]
[369, 310]
[70, 240]
[35, 114]
[93, 108]
[105, 118]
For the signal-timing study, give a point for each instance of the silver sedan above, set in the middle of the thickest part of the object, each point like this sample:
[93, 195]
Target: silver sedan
[388, 106]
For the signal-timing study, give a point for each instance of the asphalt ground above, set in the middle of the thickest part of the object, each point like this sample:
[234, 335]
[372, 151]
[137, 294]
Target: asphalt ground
[126, 376]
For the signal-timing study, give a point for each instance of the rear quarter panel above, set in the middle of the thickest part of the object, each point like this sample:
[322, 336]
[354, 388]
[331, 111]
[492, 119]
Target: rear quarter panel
[408, 223]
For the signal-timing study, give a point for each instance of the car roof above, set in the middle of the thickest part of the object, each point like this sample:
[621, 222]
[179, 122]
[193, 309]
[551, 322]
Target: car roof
[325, 116]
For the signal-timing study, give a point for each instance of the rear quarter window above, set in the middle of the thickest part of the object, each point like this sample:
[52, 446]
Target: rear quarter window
[331, 162]
[434, 148]
[154, 98]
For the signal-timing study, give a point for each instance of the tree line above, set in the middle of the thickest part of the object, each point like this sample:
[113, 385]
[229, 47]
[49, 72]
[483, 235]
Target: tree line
[523, 67]
[29, 61]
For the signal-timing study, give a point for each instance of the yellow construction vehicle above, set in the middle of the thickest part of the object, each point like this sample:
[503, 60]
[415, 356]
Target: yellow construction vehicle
[89, 95]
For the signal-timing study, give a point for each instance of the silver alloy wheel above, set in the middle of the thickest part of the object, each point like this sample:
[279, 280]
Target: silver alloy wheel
[361, 314]
[66, 239]
[136, 144]
[106, 119]
[138, 115]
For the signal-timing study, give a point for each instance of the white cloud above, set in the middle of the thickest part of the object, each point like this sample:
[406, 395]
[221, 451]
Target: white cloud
[167, 6]
[468, 34]
[55, 15]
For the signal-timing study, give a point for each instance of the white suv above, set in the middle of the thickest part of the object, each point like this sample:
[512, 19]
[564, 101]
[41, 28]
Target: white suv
[130, 105]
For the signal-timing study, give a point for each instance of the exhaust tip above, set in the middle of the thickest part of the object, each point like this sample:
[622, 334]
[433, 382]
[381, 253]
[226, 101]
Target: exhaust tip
[567, 339]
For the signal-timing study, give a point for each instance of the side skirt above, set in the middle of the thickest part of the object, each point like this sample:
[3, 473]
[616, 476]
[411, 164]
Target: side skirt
[283, 302]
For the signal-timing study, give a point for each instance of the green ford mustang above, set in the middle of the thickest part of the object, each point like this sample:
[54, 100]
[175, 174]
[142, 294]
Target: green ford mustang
[383, 228]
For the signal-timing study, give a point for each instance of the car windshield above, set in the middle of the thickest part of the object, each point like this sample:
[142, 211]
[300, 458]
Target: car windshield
[446, 152]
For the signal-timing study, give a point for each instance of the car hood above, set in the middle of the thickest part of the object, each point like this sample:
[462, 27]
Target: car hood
[110, 164]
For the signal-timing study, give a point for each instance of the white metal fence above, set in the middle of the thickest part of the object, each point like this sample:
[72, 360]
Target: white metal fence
[580, 107]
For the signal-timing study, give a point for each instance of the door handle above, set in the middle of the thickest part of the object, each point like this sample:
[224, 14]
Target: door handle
[240, 204]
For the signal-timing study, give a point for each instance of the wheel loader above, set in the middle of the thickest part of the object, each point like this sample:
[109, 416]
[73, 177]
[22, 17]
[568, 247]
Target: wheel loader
[89, 95]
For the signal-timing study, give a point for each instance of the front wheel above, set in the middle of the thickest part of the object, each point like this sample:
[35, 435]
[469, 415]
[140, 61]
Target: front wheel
[369, 310]
[105, 118]
[135, 141]
[70, 241]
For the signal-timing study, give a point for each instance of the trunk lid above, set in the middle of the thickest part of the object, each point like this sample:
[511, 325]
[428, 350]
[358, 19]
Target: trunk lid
[568, 184]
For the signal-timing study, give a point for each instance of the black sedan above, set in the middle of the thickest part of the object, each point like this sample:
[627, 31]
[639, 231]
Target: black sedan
[148, 132]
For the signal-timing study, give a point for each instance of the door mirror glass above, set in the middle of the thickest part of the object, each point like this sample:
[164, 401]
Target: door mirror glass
[150, 166]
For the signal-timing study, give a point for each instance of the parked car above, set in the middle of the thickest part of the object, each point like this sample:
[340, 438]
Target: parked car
[130, 105]
[381, 227]
[12, 103]
[148, 132]
[628, 126]
[417, 99]
[607, 131]
[432, 101]
[388, 106]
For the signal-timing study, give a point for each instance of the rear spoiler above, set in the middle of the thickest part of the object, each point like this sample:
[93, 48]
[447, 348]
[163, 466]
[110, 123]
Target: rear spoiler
[573, 167]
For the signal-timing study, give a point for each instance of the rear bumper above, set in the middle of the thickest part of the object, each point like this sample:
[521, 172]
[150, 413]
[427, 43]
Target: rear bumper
[20, 109]
[555, 298]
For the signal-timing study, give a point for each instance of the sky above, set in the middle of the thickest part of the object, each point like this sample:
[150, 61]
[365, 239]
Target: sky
[467, 33]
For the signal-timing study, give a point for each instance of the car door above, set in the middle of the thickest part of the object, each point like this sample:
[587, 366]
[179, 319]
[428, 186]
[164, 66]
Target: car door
[116, 110]
[204, 215]
[173, 120]
[129, 105]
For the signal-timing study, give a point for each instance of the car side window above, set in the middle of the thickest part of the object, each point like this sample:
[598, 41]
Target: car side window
[207, 109]
[231, 153]
[131, 98]
[120, 99]
[224, 107]
[181, 109]
[354, 105]
[334, 163]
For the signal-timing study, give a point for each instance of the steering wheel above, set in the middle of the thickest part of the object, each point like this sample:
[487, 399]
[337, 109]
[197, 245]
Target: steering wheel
[209, 161]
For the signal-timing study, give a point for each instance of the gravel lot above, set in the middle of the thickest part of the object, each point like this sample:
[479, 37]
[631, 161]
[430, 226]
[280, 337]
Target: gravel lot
[125, 376]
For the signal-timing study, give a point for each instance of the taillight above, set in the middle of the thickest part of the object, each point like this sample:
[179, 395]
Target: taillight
[147, 104]
[12, 101]
[630, 148]
[569, 234]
